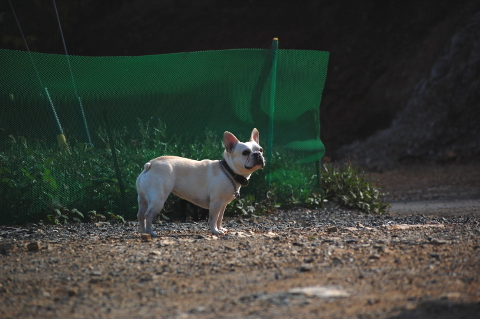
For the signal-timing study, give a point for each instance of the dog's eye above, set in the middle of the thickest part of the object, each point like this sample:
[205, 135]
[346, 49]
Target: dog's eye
[261, 150]
[246, 152]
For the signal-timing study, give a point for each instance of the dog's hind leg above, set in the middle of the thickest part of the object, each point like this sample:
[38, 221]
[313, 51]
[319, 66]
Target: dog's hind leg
[142, 208]
[155, 206]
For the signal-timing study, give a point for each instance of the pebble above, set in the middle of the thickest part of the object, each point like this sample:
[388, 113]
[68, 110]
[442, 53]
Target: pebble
[146, 237]
[320, 292]
[436, 241]
[35, 246]
[332, 229]
[306, 267]
[6, 246]
[435, 255]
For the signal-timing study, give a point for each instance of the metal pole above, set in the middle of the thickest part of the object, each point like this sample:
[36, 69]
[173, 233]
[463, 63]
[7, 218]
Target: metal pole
[84, 119]
[62, 141]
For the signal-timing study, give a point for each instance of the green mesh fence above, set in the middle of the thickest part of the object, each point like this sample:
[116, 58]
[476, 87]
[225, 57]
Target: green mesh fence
[188, 97]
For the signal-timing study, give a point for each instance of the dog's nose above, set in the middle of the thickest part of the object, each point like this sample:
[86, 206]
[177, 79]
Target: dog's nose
[259, 158]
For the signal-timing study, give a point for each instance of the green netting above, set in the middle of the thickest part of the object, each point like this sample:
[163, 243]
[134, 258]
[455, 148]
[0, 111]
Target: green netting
[190, 93]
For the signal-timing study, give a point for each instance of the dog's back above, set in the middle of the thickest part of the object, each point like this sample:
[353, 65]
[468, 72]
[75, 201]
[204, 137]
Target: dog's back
[184, 177]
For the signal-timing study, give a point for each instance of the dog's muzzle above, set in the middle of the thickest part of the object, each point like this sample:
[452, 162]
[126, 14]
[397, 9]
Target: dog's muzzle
[259, 159]
[255, 159]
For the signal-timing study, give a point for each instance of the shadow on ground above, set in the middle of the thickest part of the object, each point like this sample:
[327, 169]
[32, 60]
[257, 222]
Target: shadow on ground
[441, 309]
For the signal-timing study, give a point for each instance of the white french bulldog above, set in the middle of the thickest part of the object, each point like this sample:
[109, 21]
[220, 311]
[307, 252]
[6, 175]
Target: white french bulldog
[208, 184]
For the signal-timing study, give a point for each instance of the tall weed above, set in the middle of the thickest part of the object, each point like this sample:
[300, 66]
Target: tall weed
[37, 180]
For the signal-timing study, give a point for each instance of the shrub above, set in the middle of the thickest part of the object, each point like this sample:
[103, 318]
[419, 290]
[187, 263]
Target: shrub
[350, 186]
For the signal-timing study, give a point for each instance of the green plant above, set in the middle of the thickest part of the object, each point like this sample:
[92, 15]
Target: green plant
[93, 216]
[62, 215]
[348, 185]
[36, 178]
[117, 219]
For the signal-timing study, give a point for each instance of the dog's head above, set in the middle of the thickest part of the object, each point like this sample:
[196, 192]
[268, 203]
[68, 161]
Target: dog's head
[243, 158]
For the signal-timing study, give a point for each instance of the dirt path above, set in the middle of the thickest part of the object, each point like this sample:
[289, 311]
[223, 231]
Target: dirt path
[326, 263]
[438, 207]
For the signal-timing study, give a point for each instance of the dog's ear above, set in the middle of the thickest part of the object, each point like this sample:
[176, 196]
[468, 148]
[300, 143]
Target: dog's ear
[230, 141]
[255, 136]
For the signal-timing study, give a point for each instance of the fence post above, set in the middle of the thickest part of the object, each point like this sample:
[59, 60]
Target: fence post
[273, 87]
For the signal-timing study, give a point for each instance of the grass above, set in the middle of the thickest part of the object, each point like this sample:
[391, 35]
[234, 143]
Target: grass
[80, 183]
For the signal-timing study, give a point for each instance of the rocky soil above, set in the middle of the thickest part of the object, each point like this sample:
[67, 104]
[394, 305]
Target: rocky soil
[441, 119]
[302, 263]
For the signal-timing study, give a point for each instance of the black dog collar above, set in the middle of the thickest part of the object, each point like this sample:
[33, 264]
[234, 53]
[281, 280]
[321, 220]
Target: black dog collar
[238, 178]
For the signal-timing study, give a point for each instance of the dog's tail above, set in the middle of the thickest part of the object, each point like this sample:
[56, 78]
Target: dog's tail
[147, 167]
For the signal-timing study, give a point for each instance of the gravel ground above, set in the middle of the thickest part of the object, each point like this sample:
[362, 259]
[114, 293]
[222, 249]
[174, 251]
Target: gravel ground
[325, 263]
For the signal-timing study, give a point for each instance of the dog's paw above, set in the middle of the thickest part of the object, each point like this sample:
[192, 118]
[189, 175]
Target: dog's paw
[216, 231]
[221, 231]
[152, 233]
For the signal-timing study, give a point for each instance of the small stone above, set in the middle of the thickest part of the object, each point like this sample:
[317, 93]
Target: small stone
[320, 292]
[371, 301]
[379, 247]
[146, 237]
[451, 296]
[165, 242]
[271, 235]
[332, 229]
[35, 246]
[145, 278]
[331, 239]
[436, 241]
[306, 267]
[374, 257]
[198, 309]
[337, 261]
[71, 292]
[435, 255]
[351, 240]
[6, 246]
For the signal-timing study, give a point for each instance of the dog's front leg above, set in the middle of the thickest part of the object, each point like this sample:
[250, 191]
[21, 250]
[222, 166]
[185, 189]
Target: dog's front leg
[219, 221]
[216, 212]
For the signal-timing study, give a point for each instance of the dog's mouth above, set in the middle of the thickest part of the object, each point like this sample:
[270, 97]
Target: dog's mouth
[258, 161]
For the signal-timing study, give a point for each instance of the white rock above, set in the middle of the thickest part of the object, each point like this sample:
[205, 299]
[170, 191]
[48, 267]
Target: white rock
[320, 292]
